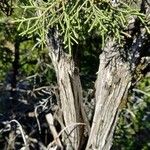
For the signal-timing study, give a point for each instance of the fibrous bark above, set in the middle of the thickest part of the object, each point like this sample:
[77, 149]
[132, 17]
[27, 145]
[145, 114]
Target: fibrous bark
[116, 69]
[70, 91]
[113, 80]
[115, 75]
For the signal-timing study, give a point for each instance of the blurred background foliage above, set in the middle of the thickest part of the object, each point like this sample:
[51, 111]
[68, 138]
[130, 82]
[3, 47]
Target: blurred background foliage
[133, 129]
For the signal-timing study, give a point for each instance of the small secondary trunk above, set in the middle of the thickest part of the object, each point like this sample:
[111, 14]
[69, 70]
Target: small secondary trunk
[71, 98]
[113, 82]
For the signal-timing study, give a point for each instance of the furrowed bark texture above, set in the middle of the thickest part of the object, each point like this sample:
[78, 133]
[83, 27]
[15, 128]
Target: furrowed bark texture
[115, 74]
[116, 69]
[70, 91]
[113, 81]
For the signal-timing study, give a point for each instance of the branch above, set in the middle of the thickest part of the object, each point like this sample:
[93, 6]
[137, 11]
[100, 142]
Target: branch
[71, 125]
[52, 128]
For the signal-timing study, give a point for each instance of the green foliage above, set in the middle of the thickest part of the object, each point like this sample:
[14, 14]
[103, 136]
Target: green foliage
[77, 18]
[31, 60]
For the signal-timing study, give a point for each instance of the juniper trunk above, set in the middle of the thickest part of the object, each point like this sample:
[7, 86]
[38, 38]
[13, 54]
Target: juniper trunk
[70, 92]
[116, 69]
[113, 82]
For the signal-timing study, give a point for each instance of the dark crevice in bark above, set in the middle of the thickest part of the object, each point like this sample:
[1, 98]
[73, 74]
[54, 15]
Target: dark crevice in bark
[55, 42]
[135, 39]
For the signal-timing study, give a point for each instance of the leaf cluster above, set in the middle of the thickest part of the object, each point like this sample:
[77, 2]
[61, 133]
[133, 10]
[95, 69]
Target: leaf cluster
[77, 18]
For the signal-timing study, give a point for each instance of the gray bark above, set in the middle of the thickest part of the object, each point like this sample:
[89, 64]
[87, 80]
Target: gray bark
[117, 70]
[113, 80]
[70, 92]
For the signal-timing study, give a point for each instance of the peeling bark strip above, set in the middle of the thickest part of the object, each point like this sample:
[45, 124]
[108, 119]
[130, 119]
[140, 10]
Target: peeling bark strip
[113, 81]
[70, 90]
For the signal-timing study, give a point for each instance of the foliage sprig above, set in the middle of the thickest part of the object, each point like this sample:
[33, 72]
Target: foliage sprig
[73, 17]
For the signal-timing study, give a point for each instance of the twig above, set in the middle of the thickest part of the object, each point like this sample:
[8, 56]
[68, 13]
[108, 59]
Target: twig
[21, 130]
[71, 125]
[43, 105]
[142, 92]
[36, 116]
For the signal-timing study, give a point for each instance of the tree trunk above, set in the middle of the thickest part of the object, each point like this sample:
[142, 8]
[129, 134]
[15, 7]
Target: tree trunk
[113, 82]
[70, 92]
[116, 70]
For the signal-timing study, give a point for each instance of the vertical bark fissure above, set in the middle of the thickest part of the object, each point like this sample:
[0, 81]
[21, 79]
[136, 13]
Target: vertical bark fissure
[108, 143]
[70, 100]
